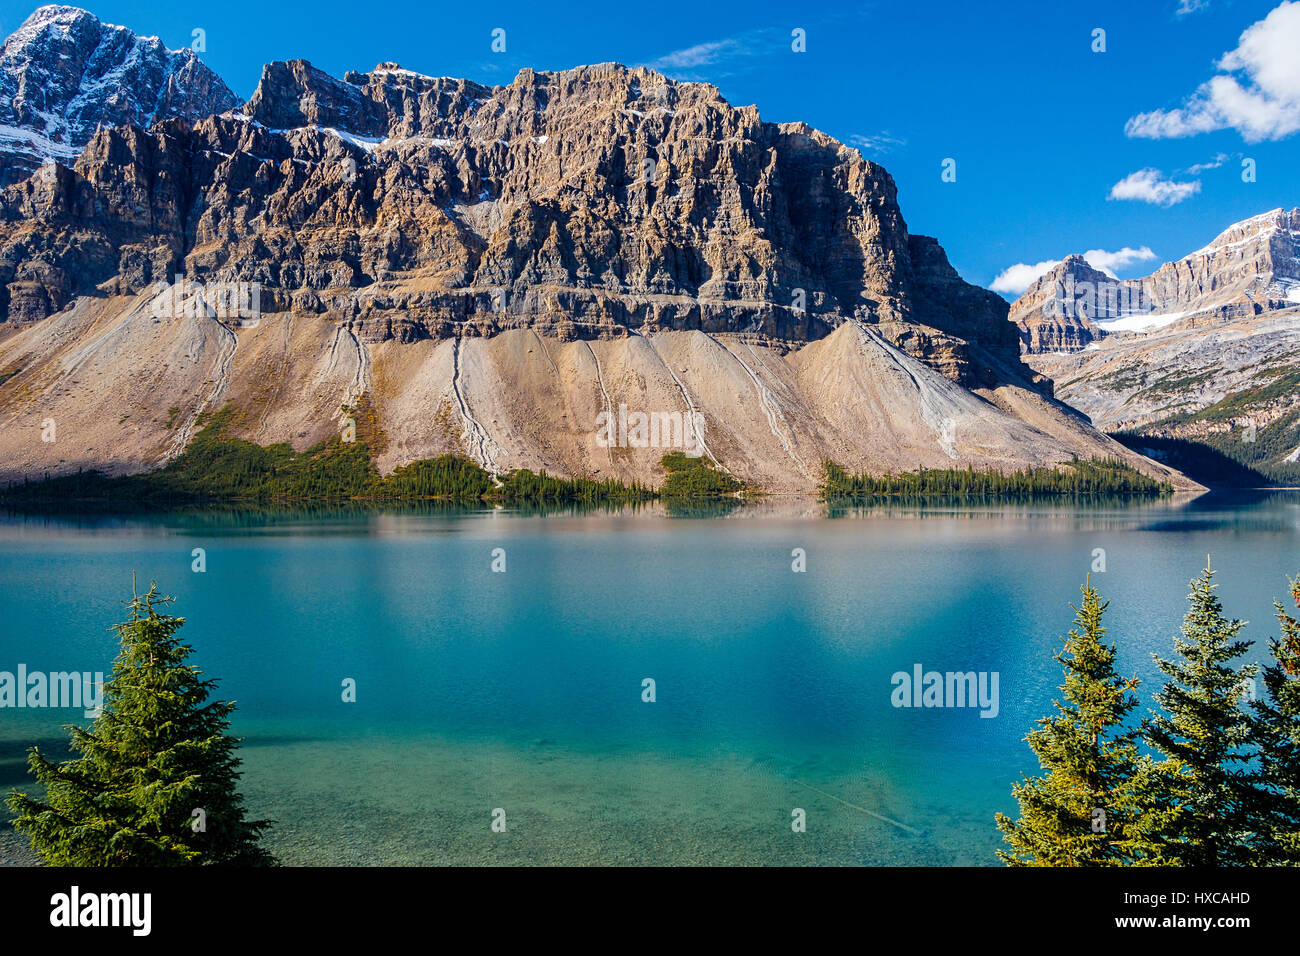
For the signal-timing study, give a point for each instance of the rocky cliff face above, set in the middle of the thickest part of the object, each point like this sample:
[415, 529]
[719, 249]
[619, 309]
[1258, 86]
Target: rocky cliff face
[1251, 268]
[486, 269]
[64, 74]
[585, 203]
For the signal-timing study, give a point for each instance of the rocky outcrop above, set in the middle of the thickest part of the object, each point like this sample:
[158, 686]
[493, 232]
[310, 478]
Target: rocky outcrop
[64, 74]
[1052, 315]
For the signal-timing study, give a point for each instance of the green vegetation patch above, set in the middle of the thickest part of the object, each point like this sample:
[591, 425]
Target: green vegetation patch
[693, 477]
[1176, 385]
[1263, 449]
[1078, 478]
[1285, 384]
[1119, 381]
[218, 467]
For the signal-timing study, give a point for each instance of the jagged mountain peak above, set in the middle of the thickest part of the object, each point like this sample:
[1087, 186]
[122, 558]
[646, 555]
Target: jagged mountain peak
[64, 73]
[635, 195]
[391, 100]
[617, 184]
[60, 22]
[57, 15]
[1261, 228]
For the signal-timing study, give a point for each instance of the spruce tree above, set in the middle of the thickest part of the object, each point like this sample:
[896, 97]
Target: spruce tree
[1203, 732]
[1090, 807]
[157, 753]
[1277, 730]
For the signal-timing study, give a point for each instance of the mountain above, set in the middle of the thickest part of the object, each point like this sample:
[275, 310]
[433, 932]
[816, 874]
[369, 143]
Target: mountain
[1204, 352]
[1045, 322]
[1250, 268]
[488, 270]
[63, 74]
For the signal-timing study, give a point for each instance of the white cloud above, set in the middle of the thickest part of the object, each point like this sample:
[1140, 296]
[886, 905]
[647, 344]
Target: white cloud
[702, 54]
[753, 49]
[1214, 163]
[1149, 185]
[1015, 280]
[720, 58]
[1112, 262]
[1191, 6]
[1261, 101]
[881, 142]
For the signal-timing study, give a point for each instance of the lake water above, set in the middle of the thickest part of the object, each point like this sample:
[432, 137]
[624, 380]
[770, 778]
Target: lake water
[523, 691]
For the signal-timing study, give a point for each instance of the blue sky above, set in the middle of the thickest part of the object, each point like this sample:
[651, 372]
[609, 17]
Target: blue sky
[1042, 128]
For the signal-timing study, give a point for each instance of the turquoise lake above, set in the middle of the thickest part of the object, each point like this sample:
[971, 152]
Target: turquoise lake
[522, 690]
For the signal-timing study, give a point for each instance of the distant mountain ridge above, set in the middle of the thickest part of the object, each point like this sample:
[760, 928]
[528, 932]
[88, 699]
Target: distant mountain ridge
[1250, 268]
[1205, 351]
[63, 74]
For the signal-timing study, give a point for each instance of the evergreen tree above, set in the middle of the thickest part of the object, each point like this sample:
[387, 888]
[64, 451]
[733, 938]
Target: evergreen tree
[1090, 807]
[157, 753]
[1277, 730]
[1205, 779]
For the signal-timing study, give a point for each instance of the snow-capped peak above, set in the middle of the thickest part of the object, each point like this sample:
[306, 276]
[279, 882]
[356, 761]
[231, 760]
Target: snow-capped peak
[59, 20]
[1254, 229]
[64, 73]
